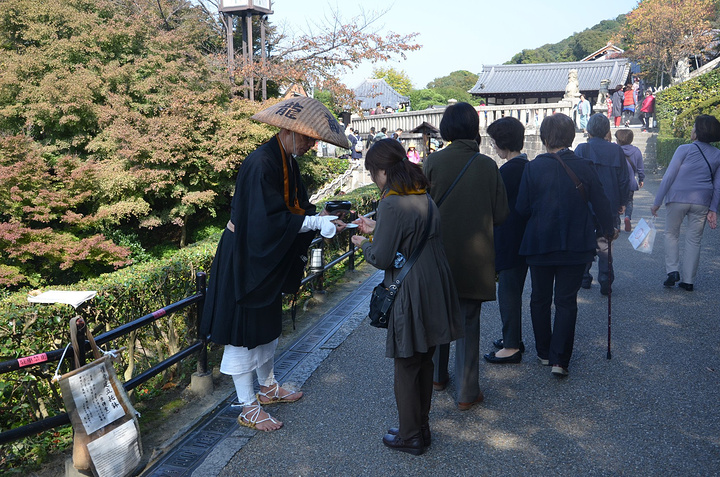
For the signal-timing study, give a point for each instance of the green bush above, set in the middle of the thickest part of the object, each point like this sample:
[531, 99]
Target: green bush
[317, 171]
[27, 329]
[677, 106]
[666, 148]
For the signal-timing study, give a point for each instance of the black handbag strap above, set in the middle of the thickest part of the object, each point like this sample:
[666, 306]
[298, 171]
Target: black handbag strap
[416, 253]
[452, 186]
[578, 184]
[706, 161]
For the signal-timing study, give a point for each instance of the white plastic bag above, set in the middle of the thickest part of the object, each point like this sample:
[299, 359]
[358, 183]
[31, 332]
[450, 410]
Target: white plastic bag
[639, 233]
[642, 237]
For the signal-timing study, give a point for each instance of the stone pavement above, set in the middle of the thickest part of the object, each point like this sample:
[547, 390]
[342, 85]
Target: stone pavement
[651, 409]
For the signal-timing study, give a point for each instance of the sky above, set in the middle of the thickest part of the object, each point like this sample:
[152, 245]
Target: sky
[460, 34]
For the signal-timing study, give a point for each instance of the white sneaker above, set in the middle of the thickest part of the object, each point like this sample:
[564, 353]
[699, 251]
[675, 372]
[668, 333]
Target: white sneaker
[558, 370]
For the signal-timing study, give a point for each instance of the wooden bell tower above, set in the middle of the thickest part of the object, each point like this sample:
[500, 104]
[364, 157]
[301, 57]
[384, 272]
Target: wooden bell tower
[245, 10]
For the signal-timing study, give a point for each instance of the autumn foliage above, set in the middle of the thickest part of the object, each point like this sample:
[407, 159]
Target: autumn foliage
[111, 118]
[118, 117]
[658, 33]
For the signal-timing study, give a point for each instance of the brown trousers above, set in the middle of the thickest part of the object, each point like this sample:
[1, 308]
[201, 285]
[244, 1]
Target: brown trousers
[413, 391]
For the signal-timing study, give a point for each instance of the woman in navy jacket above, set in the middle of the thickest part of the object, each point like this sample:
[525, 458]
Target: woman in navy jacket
[559, 237]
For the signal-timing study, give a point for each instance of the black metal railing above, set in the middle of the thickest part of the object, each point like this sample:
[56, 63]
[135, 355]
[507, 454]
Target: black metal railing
[199, 346]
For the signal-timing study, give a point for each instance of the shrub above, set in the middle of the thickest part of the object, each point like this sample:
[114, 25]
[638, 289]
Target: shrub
[679, 105]
[27, 329]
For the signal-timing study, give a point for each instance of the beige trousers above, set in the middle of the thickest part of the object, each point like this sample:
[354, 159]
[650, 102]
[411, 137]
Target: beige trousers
[696, 218]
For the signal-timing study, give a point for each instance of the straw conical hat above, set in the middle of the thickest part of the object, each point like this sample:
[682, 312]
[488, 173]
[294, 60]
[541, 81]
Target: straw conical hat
[306, 116]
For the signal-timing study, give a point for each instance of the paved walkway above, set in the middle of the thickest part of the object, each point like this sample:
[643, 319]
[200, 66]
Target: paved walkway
[651, 409]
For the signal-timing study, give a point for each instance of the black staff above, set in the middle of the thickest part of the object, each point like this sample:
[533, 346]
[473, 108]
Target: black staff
[609, 354]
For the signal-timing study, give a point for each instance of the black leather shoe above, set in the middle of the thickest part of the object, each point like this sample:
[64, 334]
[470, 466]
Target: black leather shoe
[513, 358]
[604, 288]
[424, 432]
[500, 344]
[413, 446]
[686, 286]
[672, 278]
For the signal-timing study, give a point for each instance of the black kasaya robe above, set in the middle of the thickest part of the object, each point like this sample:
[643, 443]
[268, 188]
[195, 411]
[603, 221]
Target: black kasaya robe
[243, 305]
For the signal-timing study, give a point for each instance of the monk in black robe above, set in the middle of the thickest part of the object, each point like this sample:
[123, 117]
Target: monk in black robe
[259, 256]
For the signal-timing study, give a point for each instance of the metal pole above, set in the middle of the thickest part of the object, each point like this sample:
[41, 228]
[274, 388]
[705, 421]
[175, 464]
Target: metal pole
[201, 289]
[609, 353]
[351, 261]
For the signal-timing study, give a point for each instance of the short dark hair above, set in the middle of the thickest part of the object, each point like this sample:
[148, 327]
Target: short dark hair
[598, 125]
[707, 128]
[624, 136]
[557, 131]
[402, 175]
[383, 130]
[460, 121]
[508, 133]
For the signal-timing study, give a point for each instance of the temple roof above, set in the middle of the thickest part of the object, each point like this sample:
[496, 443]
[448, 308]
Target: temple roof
[549, 77]
[372, 91]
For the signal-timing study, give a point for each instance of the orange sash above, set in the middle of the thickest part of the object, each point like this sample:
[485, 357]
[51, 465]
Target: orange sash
[291, 201]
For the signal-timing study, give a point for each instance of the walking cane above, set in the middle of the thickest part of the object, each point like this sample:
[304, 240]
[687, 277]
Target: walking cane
[609, 354]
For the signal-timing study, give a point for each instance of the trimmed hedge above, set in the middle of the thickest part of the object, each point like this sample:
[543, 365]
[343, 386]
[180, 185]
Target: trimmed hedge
[678, 106]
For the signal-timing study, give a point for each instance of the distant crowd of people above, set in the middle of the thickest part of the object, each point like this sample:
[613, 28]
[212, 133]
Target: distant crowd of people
[626, 102]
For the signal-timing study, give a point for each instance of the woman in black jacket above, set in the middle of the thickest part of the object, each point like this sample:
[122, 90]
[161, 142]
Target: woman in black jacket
[560, 236]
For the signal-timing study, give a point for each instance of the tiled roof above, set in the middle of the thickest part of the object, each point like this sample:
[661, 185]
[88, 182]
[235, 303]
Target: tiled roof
[549, 77]
[372, 91]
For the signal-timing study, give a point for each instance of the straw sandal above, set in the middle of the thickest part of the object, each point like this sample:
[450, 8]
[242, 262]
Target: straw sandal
[273, 395]
[250, 418]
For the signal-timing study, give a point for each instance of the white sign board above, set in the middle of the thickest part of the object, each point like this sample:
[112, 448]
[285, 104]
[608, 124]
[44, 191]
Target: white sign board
[95, 399]
[117, 452]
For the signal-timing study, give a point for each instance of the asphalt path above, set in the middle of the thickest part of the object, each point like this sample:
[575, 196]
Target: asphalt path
[651, 409]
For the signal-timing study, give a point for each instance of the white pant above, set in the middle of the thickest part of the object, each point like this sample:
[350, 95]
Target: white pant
[244, 382]
[697, 216]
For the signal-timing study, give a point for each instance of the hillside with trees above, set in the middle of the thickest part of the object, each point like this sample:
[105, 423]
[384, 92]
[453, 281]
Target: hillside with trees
[574, 47]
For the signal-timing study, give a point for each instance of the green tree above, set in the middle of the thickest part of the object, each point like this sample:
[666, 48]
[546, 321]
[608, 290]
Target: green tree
[398, 80]
[424, 98]
[455, 86]
[462, 79]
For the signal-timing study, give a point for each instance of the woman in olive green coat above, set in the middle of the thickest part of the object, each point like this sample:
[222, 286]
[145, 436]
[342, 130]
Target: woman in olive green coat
[476, 204]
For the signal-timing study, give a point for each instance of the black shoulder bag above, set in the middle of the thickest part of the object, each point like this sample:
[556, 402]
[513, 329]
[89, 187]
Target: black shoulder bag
[382, 298]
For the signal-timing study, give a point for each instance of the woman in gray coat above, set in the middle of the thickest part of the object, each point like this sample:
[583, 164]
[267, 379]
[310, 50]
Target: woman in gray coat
[426, 310]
